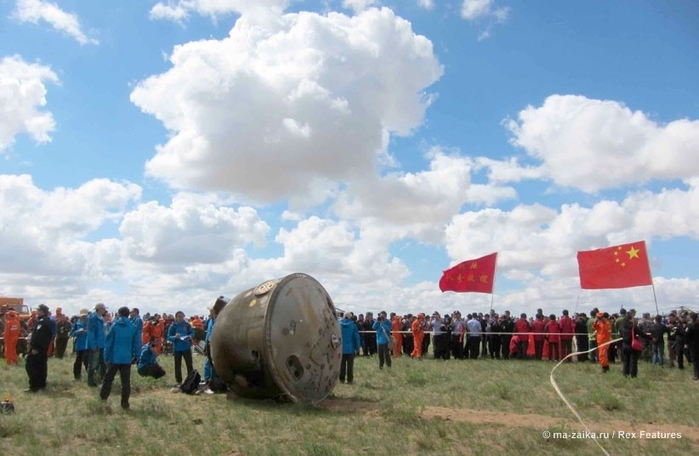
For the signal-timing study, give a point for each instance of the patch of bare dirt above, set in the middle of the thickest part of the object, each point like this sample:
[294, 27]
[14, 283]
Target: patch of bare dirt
[340, 404]
[532, 420]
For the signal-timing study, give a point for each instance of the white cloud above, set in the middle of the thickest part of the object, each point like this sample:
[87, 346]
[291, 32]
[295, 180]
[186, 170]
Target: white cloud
[358, 5]
[484, 10]
[479, 9]
[535, 237]
[22, 92]
[44, 232]
[427, 4]
[179, 10]
[192, 230]
[575, 137]
[37, 10]
[273, 108]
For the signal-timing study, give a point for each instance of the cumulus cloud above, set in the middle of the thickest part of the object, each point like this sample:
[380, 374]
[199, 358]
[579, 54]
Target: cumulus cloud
[193, 229]
[35, 11]
[179, 10]
[22, 93]
[427, 4]
[543, 239]
[44, 232]
[575, 137]
[277, 106]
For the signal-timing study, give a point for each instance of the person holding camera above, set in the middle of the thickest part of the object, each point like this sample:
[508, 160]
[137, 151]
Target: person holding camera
[148, 362]
[383, 328]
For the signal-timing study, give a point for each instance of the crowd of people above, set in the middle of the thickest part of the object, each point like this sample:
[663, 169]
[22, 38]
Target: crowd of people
[599, 338]
[106, 344]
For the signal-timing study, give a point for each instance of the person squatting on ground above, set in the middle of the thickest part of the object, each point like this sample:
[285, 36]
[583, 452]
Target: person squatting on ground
[383, 328]
[350, 345]
[79, 332]
[95, 345]
[180, 334]
[148, 362]
[121, 349]
[603, 328]
[13, 328]
[37, 359]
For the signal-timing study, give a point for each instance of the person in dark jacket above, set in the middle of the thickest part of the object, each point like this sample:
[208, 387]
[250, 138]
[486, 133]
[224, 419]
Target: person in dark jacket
[121, 348]
[691, 338]
[629, 330]
[350, 345]
[37, 359]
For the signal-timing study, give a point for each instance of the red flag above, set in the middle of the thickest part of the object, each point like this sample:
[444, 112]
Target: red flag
[620, 266]
[471, 275]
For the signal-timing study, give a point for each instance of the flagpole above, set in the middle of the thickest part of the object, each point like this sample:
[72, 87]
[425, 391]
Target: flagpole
[492, 292]
[655, 296]
[652, 282]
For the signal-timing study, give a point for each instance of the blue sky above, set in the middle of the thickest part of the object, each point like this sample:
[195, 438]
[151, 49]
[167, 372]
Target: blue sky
[160, 154]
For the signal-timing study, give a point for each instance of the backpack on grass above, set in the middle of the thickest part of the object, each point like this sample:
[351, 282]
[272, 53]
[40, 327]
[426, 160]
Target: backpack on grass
[191, 383]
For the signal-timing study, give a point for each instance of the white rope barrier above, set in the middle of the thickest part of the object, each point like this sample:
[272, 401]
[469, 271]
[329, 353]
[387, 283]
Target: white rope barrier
[570, 406]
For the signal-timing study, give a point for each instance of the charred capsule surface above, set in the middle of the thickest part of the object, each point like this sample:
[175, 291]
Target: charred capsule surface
[281, 338]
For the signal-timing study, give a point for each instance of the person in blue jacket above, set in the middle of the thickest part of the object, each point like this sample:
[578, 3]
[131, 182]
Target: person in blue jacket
[148, 361]
[79, 332]
[121, 349]
[137, 321]
[180, 334]
[350, 345]
[95, 344]
[382, 326]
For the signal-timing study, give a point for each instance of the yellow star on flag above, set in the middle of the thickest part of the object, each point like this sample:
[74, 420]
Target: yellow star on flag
[633, 252]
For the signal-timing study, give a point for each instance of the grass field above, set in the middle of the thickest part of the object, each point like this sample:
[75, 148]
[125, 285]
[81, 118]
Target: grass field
[478, 407]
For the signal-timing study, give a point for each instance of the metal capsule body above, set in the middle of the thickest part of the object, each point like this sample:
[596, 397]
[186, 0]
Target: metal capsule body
[281, 338]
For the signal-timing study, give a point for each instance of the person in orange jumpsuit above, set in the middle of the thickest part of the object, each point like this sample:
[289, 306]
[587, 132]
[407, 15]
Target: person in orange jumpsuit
[158, 332]
[146, 332]
[604, 334]
[396, 324]
[13, 327]
[418, 330]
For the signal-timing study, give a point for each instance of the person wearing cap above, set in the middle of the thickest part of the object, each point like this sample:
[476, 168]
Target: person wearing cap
[79, 333]
[13, 328]
[95, 345]
[37, 359]
[121, 348]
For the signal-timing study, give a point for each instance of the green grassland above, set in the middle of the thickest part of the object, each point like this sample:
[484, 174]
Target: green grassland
[479, 407]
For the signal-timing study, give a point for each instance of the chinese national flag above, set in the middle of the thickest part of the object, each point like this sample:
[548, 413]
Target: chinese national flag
[471, 275]
[620, 266]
